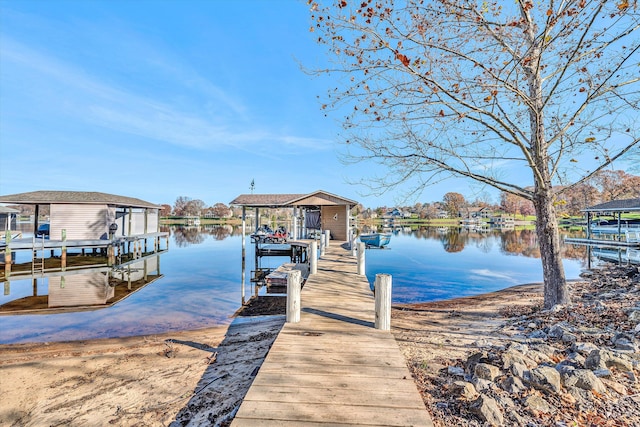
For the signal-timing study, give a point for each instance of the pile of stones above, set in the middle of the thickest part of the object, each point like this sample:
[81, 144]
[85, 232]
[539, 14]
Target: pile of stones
[574, 365]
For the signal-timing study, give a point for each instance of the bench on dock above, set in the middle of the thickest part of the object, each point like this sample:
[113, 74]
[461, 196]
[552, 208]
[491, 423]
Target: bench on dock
[278, 277]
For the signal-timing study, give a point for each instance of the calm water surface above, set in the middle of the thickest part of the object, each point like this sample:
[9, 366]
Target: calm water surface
[201, 283]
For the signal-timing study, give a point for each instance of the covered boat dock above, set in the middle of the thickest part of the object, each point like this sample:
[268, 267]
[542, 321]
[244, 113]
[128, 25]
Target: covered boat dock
[619, 231]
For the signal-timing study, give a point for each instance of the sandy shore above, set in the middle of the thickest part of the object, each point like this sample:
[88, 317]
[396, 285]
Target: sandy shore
[200, 377]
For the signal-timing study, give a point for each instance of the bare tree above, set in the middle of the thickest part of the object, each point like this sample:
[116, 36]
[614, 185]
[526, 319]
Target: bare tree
[440, 88]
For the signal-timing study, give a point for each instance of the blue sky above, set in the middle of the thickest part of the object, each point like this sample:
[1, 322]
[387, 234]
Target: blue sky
[160, 99]
[157, 99]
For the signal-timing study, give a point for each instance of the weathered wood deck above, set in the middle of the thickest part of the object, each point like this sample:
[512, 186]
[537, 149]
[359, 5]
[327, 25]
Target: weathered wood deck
[333, 367]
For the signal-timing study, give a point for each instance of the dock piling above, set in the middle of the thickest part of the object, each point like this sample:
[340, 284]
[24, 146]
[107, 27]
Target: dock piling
[293, 296]
[361, 261]
[383, 302]
[313, 258]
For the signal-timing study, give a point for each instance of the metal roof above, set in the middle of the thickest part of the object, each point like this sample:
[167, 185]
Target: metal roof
[626, 205]
[75, 197]
[317, 198]
[8, 210]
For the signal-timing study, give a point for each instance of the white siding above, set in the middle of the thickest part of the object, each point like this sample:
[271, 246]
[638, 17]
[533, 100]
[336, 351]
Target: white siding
[153, 225]
[80, 221]
[79, 289]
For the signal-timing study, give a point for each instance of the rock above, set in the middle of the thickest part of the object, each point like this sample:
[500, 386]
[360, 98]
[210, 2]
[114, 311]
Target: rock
[487, 410]
[516, 419]
[538, 357]
[455, 371]
[470, 364]
[600, 358]
[537, 334]
[584, 348]
[559, 329]
[537, 404]
[518, 370]
[637, 328]
[568, 337]
[512, 356]
[602, 373]
[599, 306]
[544, 378]
[464, 389]
[481, 384]
[624, 341]
[634, 316]
[615, 386]
[486, 372]
[584, 379]
[513, 385]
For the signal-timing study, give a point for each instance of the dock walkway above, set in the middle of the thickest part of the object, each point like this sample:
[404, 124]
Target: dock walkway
[333, 367]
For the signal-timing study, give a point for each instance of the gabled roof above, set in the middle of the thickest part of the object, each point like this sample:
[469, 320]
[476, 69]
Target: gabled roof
[626, 205]
[317, 198]
[75, 197]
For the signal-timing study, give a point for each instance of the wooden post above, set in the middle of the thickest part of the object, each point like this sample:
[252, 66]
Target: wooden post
[7, 255]
[361, 260]
[328, 237]
[322, 245]
[354, 247]
[313, 258]
[383, 301]
[111, 257]
[63, 257]
[244, 255]
[129, 277]
[293, 296]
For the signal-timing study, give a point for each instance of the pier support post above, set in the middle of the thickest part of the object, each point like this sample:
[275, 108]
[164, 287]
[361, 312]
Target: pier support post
[313, 258]
[354, 247]
[327, 237]
[7, 255]
[383, 302]
[294, 278]
[322, 245]
[361, 265]
[63, 256]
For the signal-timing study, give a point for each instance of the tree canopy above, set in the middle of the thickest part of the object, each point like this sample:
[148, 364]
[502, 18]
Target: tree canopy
[487, 90]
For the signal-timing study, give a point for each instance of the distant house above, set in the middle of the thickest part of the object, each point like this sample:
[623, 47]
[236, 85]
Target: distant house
[475, 212]
[91, 215]
[442, 214]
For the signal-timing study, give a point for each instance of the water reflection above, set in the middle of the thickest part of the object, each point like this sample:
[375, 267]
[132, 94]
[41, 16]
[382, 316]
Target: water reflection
[78, 289]
[201, 279]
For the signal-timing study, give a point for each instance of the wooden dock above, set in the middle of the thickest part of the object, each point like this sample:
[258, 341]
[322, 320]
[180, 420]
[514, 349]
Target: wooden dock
[333, 367]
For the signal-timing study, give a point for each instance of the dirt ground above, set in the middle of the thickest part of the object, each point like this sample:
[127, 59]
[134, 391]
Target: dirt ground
[200, 377]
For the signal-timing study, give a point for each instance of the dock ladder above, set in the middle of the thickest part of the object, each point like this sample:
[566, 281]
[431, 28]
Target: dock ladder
[37, 263]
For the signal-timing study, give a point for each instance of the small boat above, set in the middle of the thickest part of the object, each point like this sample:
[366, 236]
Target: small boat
[378, 240]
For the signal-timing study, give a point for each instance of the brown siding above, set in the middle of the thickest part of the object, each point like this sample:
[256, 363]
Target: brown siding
[334, 218]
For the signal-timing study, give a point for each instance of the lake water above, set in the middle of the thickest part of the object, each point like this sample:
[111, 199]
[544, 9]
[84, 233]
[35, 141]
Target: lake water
[201, 283]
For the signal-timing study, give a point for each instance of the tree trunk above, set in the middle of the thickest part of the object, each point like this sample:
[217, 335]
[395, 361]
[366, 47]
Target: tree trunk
[555, 283]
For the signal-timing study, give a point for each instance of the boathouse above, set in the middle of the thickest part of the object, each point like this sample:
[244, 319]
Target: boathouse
[91, 215]
[616, 231]
[313, 211]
